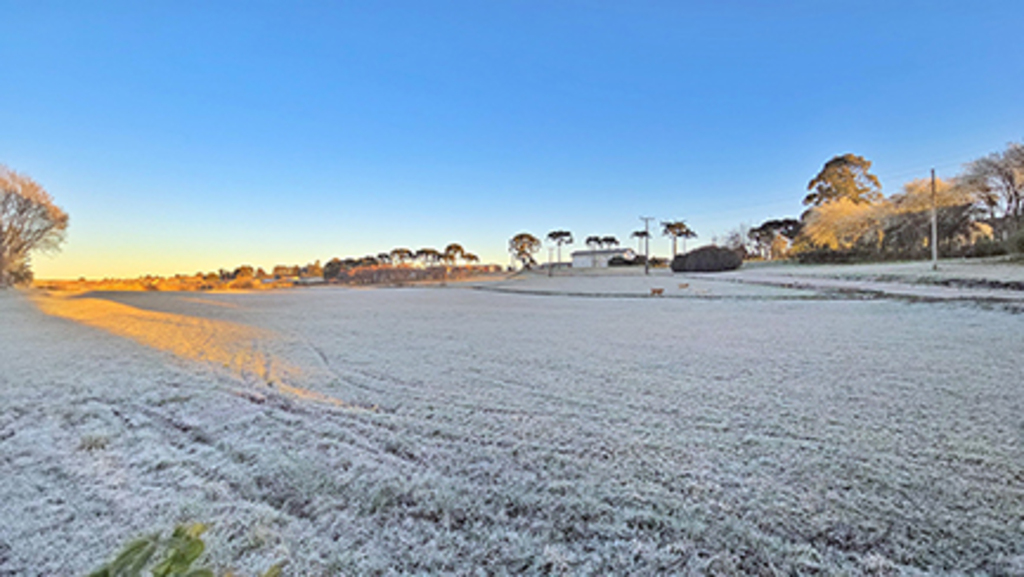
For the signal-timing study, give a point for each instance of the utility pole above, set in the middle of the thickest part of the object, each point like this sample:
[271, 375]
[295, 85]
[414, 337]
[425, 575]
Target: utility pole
[647, 243]
[935, 229]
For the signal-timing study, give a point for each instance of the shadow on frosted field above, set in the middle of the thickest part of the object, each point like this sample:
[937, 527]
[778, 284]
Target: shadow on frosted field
[519, 433]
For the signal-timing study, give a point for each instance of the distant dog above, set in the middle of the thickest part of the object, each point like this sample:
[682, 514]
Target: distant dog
[683, 285]
[657, 292]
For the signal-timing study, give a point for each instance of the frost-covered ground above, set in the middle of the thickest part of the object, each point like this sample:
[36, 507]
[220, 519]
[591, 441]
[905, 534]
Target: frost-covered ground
[528, 426]
[1001, 269]
[998, 281]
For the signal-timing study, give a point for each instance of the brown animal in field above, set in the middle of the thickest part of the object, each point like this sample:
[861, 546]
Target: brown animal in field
[684, 285]
[657, 292]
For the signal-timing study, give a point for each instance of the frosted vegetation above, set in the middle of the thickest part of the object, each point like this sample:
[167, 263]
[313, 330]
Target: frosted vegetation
[532, 425]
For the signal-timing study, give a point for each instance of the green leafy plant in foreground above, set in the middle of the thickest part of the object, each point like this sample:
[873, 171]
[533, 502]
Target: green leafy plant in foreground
[179, 552]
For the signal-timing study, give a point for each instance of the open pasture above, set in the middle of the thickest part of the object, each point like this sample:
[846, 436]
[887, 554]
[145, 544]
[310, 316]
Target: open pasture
[539, 425]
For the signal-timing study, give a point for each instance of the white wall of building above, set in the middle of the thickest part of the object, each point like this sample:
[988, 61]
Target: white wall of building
[599, 258]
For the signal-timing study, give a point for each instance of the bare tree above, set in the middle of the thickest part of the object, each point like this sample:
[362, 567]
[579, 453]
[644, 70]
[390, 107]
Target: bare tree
[739, 241]
[29, 221]
[998, 179]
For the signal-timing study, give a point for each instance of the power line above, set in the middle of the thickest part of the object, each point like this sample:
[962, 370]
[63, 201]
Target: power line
[947, 162]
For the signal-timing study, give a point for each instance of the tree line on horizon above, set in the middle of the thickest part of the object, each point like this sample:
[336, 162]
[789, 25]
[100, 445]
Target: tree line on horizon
[979, 213]
[338, 268]
[30, 222]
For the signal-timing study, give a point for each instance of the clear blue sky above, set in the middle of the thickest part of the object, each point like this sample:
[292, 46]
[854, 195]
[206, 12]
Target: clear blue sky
[184, 136]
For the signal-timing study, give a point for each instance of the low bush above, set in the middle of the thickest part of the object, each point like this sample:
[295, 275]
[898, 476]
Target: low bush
[1016, 242]
[829, 256]
[985, 247]
[621, 261]
[707, 259]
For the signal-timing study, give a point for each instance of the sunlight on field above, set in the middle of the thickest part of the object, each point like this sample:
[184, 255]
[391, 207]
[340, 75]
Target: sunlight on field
[232, 346]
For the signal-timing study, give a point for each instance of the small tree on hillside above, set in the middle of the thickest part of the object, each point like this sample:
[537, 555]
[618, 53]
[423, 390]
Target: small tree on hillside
[594, 243]
[401, 255]
[677, 230]
[738, 241]
[560, 237]
[29, 221]
[772, 237]
[312, 270]
[523, 246]
[333, 268]
[244, 271]
[452, 253]
[640, 235]
[997, 181]
[429, 256]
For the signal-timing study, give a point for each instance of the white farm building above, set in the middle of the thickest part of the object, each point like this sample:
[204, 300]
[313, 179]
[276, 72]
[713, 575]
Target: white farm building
[600, 258]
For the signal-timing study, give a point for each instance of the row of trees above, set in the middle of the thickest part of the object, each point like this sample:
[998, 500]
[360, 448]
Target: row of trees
[335, 268]
[600, 242]
[30, 221]
[400, 257]
[977, 211]
[524, 245]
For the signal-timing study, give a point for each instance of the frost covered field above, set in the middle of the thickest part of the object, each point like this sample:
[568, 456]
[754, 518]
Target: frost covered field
[535, 425]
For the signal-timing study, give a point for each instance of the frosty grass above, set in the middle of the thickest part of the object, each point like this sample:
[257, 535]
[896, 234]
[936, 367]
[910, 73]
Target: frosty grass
[739, 425]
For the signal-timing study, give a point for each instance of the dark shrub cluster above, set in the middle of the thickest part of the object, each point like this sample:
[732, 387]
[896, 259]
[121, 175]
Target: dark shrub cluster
[1016, 242]
[707, 259]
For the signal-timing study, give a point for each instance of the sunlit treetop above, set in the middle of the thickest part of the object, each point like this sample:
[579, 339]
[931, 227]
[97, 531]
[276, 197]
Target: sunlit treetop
[846, 177]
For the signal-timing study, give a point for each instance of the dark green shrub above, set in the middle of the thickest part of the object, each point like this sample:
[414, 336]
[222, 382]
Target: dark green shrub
[1016, 242]
[620, 261]
[707, 259]
[986, 247]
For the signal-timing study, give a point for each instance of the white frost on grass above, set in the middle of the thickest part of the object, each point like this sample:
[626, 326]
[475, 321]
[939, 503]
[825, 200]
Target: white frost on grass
[529, 433]
[979, 280]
